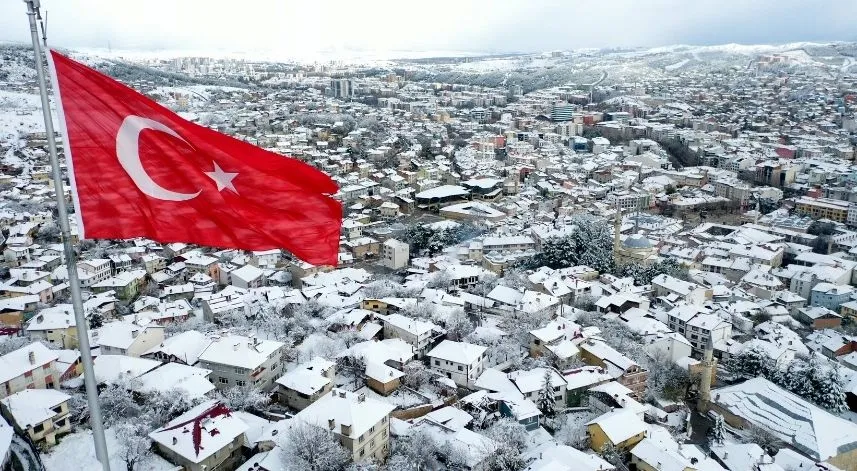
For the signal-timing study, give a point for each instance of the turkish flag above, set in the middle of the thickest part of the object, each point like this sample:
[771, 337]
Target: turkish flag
[139, 170]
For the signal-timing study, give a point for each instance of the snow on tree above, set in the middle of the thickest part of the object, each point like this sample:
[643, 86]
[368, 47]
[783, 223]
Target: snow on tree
[752, 362]
[134, 443]
[458, 325]
[243, 398]
[590, 244]
[717, 430]
[313, 449]
[546, 401]
[416, 374]
[416, 451]
[832, 392]
[666, 379]
[511, 441]
[611, 454]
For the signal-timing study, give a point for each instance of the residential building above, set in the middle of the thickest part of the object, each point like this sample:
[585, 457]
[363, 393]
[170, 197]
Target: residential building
[241, 361]
[29, 367]
[360, 424]
[459, 361]
[42, 414]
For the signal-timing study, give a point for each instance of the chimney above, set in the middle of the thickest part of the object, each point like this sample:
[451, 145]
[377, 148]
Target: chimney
[342, 394]
[175, 440]
[32, 356]
[346, 430]
[235, 347]
[361, 397]
[725, 455]
[331, 423]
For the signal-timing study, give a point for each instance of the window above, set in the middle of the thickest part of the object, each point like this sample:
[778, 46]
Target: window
[223, 380]
[241, 383]
[372, 443]
[384, 434]
[436, 363]
[47, 367]
[372, 429]
[362, 452]
[360, 440]
[38, 428]
[460, 368]
[28, 374]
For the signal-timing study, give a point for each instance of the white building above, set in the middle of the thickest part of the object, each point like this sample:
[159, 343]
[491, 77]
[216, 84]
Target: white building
[459, 361]
[361, 424]
[395, 254]
[241, 361]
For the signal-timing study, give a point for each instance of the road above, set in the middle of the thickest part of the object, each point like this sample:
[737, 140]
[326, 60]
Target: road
[603, 77]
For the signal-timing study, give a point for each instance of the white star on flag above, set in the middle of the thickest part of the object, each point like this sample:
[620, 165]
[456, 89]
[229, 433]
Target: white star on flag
[222, 179]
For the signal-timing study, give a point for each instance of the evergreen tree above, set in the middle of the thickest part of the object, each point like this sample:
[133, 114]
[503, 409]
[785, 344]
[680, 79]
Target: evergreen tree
[832, 394]
[717, 430]
[546, 401]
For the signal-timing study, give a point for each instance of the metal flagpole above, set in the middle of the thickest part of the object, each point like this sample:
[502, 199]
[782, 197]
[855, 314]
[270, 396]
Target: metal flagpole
[70, 259]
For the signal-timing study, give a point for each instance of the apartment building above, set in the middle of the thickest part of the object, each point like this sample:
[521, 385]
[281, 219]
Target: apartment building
[360, 424]
[235, 360]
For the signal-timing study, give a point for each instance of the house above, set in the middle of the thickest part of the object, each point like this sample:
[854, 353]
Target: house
[125, 284]
[530, 384]
[558, 340]
[650, 455]
[305, 384]
[361, 424]
[243, 361]
[206, 438]
[459, 361]
[29, 367]
[247, 277]
[420, 334]
[40, 413]
[556, 457]
[626, 371]
[664, 285]
[383, 378]
[54, 325]
[524, 411]
[819, 317]
[190, 381]
[112, 369]
[127, 338]
[698, 325]
[621, 429]
[830, 296]
[807, 429]
[184, 348]
[68, 364]
[13, 310]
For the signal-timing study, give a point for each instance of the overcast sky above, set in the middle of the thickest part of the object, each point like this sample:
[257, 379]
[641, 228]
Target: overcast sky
[290, 27]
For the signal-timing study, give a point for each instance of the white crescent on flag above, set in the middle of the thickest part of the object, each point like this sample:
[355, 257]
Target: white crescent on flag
[128, 152]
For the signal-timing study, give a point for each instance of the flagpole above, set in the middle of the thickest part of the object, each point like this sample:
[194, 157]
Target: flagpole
[70, 259]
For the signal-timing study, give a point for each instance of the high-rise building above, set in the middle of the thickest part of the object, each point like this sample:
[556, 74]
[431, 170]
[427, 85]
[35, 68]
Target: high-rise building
[342, 88]
[562, 111]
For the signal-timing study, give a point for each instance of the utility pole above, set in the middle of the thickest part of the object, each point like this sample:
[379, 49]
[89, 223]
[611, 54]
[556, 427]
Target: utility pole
[70, 258]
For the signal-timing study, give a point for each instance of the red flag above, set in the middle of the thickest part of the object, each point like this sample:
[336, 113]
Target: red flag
[139, 170]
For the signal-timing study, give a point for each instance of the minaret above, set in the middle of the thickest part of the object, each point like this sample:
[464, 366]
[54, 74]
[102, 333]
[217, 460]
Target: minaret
[706, 376]
[617, 230]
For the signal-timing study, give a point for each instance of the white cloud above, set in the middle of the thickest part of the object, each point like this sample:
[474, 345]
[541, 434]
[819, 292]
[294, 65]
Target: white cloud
[290, 27]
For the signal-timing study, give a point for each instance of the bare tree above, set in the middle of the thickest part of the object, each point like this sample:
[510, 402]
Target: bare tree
[313, 449]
